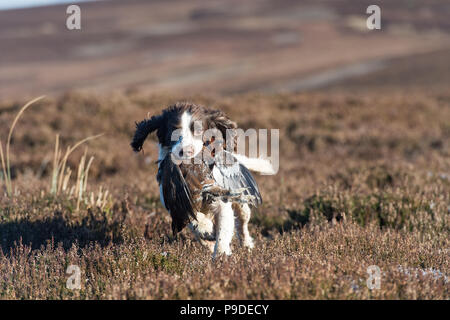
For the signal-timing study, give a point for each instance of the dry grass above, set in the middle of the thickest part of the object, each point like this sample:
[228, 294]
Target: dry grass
[7, 168]
[364, 180]
[61, 173]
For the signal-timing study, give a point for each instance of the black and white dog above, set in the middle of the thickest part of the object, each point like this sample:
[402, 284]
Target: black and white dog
[203, 184]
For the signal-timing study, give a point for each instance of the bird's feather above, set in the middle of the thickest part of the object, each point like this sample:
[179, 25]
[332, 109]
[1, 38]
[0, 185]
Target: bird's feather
[236, 178]
[176, 194]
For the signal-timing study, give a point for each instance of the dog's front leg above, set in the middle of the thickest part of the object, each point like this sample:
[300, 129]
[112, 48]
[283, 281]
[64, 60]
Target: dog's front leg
[224, 228]
[243, 213]
[203, 229]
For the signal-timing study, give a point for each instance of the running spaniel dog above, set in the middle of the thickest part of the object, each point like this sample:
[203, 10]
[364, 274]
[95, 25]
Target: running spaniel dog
[203, 184]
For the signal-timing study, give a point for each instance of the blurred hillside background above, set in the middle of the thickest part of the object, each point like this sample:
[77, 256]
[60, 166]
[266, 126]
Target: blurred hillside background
[222, 47]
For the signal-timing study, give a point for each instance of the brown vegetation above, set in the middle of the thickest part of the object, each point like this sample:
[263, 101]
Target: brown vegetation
[364, 180]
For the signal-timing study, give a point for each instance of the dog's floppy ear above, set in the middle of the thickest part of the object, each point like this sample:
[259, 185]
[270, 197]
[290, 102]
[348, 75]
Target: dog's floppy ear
[218, 119]
[143, 129]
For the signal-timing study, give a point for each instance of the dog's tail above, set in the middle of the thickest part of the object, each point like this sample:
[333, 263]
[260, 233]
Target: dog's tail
[263, 166]
[143, 129]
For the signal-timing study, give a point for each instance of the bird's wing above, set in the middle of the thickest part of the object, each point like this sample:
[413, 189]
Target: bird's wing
[237, 179]
[177, 197]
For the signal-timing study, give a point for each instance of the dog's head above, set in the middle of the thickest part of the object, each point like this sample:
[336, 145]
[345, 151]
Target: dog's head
[180, 129]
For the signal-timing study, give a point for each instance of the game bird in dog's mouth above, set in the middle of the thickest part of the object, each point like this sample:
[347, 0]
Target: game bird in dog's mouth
[202, 183]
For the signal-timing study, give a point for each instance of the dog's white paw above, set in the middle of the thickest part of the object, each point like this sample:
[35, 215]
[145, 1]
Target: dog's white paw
[249, 243]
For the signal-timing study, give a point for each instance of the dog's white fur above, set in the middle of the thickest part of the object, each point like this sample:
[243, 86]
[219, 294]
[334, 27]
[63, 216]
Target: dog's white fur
[188, 143]
[262, 166]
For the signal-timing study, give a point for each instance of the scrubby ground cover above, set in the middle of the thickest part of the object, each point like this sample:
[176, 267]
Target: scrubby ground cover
[364, 180]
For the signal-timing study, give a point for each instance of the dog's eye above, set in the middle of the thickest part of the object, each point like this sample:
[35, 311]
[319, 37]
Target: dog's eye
[196, 129]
